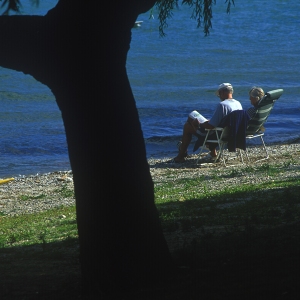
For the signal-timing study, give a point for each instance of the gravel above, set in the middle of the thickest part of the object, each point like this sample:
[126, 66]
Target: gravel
[37, 193]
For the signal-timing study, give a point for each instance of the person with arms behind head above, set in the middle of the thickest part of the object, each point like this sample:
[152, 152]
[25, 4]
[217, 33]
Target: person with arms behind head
[255, 95]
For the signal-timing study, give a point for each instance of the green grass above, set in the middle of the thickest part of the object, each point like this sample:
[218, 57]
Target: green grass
[65, 192]
[261, 238]
[188, 203]
[26, 197]
[39, 228]
[184, 203]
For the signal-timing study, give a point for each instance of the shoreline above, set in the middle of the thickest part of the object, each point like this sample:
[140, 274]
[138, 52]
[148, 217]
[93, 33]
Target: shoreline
[286, 157]
[155, 158]
[276, 151]
[40, 192]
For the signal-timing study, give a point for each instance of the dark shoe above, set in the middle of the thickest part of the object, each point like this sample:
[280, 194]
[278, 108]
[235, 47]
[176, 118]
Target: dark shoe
[178, 160]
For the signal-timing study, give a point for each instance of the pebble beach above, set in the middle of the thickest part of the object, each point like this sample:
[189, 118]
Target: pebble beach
[36, 193]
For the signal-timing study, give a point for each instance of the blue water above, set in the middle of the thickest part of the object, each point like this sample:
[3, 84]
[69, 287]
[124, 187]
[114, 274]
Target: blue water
[257, 44]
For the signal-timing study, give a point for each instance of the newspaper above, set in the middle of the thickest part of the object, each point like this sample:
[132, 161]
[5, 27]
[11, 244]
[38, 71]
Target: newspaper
[195, 115]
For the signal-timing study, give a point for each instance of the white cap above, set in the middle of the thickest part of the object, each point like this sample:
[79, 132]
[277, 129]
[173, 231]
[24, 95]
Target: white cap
[225, 85]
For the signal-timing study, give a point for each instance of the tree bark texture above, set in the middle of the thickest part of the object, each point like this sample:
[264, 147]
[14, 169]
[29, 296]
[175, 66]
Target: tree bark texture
[80, 53]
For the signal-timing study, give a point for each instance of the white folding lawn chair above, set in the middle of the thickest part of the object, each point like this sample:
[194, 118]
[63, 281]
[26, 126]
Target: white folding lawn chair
[232, 134]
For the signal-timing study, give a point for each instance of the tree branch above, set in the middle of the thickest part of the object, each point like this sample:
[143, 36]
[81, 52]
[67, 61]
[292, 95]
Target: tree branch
[202, 12]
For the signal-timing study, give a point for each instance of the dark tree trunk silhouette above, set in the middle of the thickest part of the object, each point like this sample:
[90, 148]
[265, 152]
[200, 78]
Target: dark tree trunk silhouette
[79, 52]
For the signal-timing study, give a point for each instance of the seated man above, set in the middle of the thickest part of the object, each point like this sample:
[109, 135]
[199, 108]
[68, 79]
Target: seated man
[194, 127]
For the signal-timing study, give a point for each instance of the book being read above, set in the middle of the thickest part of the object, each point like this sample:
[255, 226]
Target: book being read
[195, 115]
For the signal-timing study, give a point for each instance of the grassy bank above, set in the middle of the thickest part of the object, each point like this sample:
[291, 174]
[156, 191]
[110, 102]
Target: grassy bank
[228, 198]
[233, 232]
[40, 228]
[193, 203]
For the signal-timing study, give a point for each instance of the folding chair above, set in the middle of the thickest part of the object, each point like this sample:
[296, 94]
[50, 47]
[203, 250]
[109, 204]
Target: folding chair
[218, 139]
[255, 127]
[232, 132]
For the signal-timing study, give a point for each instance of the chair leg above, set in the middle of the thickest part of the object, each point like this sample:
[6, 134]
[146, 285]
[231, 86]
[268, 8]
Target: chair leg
[221, 154]
[218, 141]
[241, 155]
[267, 154]
[248, 159]
[238, 155]
[221, 145]
[199, 155]
[202, 148]
[264, 148]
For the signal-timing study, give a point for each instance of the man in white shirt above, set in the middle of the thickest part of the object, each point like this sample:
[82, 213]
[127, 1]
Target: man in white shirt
[194, 127]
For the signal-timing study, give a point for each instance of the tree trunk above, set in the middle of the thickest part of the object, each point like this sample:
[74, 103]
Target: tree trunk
[82, 58]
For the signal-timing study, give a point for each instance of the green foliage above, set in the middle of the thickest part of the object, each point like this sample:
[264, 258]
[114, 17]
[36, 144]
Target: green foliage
[10, 5]
[202, 12]
[14, 5]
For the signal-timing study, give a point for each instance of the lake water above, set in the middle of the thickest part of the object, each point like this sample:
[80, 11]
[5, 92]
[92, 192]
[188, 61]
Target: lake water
[257, 44]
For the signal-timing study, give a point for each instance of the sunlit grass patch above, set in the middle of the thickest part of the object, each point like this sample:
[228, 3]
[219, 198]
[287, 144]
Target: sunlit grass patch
[52, 225]
[65, 192]
[28, 197]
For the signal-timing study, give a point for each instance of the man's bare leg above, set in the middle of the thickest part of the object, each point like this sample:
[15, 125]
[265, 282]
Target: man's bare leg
[188, 131]
[213, 151]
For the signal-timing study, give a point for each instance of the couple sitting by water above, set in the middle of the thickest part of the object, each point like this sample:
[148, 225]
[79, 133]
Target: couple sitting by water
[196, 126]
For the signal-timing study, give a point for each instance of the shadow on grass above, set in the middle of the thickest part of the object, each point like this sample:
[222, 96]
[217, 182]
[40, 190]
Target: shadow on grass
[40, 271]
[253, 263]
[236, 245]
[233, 209]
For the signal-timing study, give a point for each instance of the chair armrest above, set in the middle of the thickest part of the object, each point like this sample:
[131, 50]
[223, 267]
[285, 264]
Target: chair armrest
[216, 128]
[275, 94]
